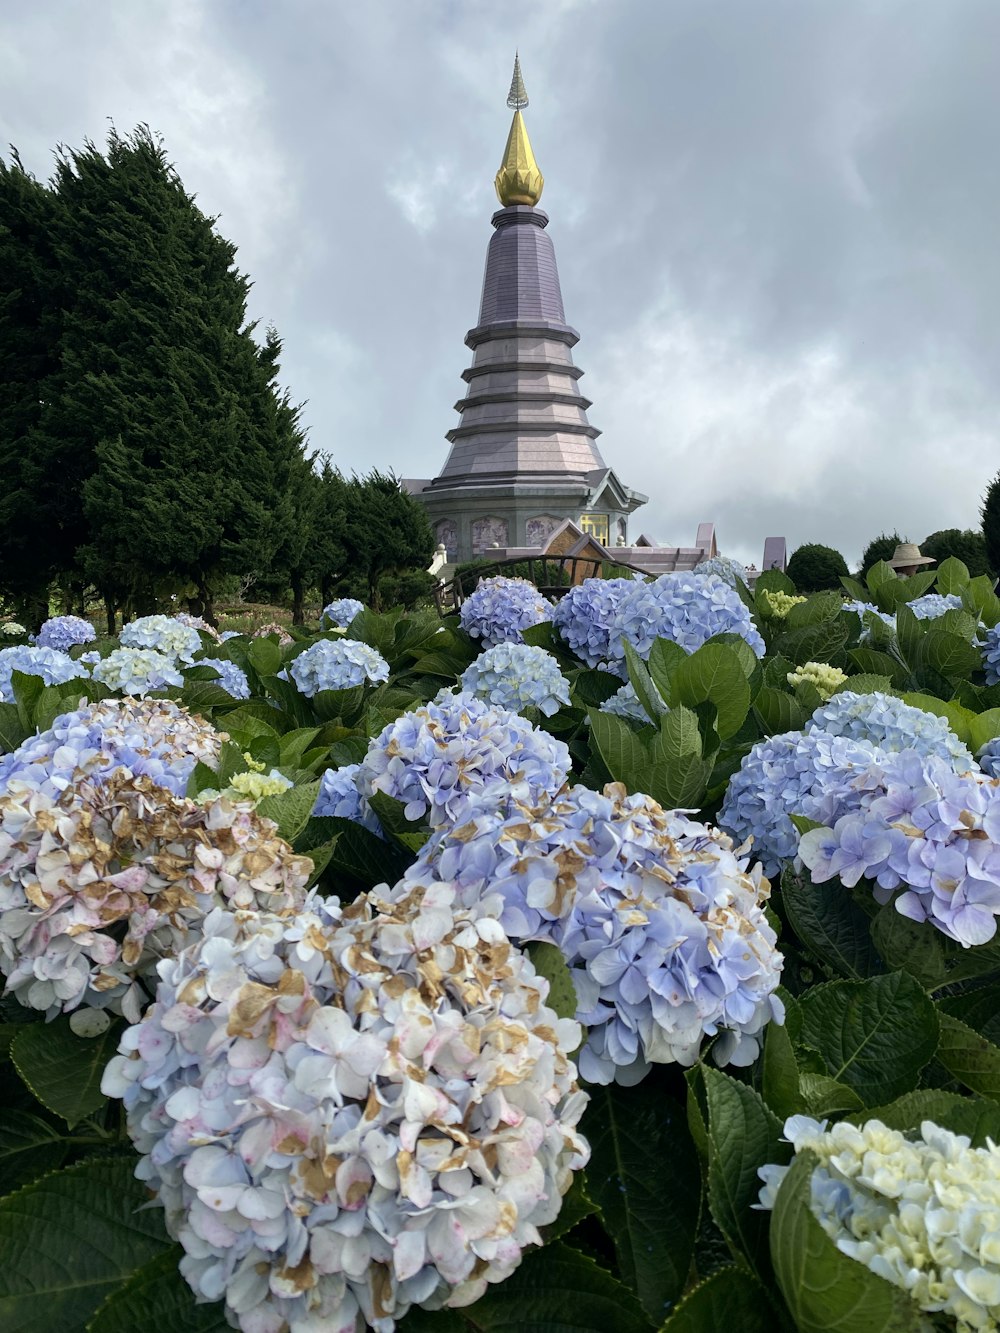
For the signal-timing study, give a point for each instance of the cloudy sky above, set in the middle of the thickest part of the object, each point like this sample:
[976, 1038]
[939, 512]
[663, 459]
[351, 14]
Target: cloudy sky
[776, 224]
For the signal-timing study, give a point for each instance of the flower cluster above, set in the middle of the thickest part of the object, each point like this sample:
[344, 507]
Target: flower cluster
[339, 797]
[990, 646]
[515, 676]
[344, 1114]
[199, 624]
[776, 605]
[663, 929]
[890, 724]
[163, 634]
[928, 829]
[825, 679]
[500, 610]
[988, 758]
[65, 632]
[584, 616]
[812, 774]
[725, 567]
[920, 1213]
[625, 703]
[10, 629]
[262, 631]
[153, 738]
[934, 604]
[54, 667]
[250, 786]
[336, 664]
[341, 612]
[864, 610]
[446, 758]
[100, 882]
[137, 671]
[686, 608]
[232, 678]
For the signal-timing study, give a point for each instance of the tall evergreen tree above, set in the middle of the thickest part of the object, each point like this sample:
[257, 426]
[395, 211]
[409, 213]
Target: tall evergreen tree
[386, 531]
[991, 522]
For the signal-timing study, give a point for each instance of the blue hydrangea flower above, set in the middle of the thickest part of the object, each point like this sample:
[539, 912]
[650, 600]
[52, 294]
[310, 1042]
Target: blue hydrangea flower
[988, 758]
[990, 645]
[65, 632]
[90, 659]
[137, 671]
[662, 927]
[516, 676]
[163, 634]
[890, 724]
[231, 677]
[934, 604]
[341, 612]
[812, 774]
[501, 609]
[339, 797]
[725, 567]
[930, 830]
[153, 738]
[686, 608]
[448, 757]
[584, 616]
[863, 609]
[336, 664]
[625, 703]
[54, 667]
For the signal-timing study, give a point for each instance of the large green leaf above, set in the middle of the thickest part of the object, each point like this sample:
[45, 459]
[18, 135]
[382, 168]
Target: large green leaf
[874, 1035]
[743, 1135]
[679, 736]
[679, 784]
[12, 729]
[879, 575]
[873, 663]
[549, 962]
[981, 601]
[651, 1215]
[952, 575]
[969, 1057]
[825, 1290]
[814, 610]
[951, 655]
[621, 749]
[780, 1073]
[830, 925]
[909, 946]
[665, 657]
[290, 809]
[983, 727]
[730, 1301]
[642, 683]
[29, 1147]
[777, 711]
[63, 1070]
[70, 1239]
[713, 674]
[773, 580]
[814, 643]
[156, 1299]
[974, 1116]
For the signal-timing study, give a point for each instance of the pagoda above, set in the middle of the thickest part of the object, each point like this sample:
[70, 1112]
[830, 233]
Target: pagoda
[524, 457]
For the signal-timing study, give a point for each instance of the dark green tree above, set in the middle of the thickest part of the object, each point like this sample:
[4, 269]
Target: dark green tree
[386, 532]
[990, 514]
[813, 567]
[329, 532]
[963, 543]
[880, 548]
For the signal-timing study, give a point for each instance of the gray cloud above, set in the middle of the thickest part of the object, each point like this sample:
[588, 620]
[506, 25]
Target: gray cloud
[774, 223]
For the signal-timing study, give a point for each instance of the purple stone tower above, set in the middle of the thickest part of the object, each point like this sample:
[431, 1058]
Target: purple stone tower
[524, 457]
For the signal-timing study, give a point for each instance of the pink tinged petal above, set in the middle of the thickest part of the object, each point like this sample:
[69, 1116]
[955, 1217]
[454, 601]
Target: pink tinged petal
[414, 1182]
[221, 1198]
[184, 1104]
[328, 1030]
[408, 1254]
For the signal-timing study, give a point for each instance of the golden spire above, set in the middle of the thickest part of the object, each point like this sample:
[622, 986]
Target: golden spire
[518, 181]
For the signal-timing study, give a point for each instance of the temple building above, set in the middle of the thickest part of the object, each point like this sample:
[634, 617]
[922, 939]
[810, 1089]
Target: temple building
[524, 457]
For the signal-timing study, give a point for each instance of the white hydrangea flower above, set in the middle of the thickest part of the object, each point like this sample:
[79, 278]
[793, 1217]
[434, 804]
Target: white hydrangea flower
[168, 635]
[824, 678]
[137, 671]
[346, 1113]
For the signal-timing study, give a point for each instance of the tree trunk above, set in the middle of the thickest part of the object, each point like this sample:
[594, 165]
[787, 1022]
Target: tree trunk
[110, 610]
[298, 600]
[205, 597]
[326, 589]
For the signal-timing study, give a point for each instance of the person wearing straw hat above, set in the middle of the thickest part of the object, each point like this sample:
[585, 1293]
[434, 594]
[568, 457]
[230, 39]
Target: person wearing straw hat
[906, 558]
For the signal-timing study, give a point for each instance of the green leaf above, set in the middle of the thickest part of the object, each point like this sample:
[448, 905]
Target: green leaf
[621, 749]
[743, 1135]
[679, 784]
[983, 727]
[650, 1215]
[952, 575]
[780, 1073]
[814, 643]
[879, 575]
[156, 1299]
[731, 1299]
[954, 657]
[773, 580]
[960, 719]
[814, 610]
[830, 925]
[642, 683]
[981, 601]
[29, 1147]
[362, 859]
[855, 590]
[265, 656]
[874, 1035]
[679, 736]
[550, 962]
[591, 688]
[12, 730]
[974, 1116]
[328, 705]
[909, 634]
[824, 1096]
[969, 1057]
[290, 809]
[909, 946]
[804, 824]
[825, 1290]
[254, 718]
[202, 779]
[70, 1239]
[665, 657]
[63, 1070]
[576, 1205]
[778, 711]
[865, 684]
[713, 674]
[873, 663]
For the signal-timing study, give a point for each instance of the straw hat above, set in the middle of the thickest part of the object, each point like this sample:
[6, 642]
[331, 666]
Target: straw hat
[908, 553]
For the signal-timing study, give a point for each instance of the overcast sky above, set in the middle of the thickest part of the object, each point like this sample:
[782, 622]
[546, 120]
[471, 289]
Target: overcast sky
[777, 224]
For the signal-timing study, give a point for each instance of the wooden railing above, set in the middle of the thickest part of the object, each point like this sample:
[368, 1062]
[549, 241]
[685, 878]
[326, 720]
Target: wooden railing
[552, 575]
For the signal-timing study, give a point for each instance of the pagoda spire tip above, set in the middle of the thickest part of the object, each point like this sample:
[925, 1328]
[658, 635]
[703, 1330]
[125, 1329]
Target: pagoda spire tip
[518, 181]
[517, 98]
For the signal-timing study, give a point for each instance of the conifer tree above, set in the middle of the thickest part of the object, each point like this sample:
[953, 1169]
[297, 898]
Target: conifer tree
[991, 522]
[387, 531]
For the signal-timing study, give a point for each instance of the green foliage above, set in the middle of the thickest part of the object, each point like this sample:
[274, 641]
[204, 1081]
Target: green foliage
[879, 548]
[814, 567]
[961, 543]
[990, 515]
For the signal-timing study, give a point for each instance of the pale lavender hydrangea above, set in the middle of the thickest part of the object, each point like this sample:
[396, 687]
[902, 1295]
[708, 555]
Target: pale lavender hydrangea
[988, 758]
[584, 617]
[346, 1113]
[990, 646]
[812, 774]
[928, 830]
[55, 668]
[934, 604]
[685, 608]
[725, 567]
[867, 609]
[448, 757]
[890, 724]
[65, 632]
[163, 634]
[100, 882]
[232, 678]
[153, 738]
[339, 797]
[336, 664]
[625, 703]
[137, 671]
[516, 676]
[662, 927]
[341, 611]
[501, 609]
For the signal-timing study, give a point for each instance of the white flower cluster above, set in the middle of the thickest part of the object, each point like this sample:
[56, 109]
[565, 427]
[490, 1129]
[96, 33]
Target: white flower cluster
[777, 604]
[162, 634]
[100, 882]
[924, 1214]
[825, 679]
[137, 670]
[515, 676]
[348, 1113]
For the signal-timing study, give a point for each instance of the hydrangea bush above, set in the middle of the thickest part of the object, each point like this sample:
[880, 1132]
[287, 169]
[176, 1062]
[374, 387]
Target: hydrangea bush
[162, 634]
[65, 632]
[585, 615]
[501, 609]
[340, 612]
[515, 676]
[137, 671]
[54, 667]
[337, 665]
[231, 677]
